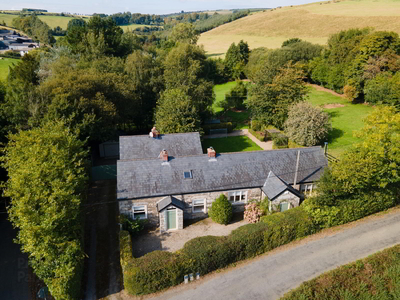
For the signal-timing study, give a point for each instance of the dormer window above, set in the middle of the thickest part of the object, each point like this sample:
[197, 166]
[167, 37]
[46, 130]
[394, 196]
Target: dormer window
[187, 175]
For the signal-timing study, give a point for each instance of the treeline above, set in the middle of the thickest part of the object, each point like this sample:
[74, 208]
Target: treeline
[127, 18]
[34, 28]
[219, 19]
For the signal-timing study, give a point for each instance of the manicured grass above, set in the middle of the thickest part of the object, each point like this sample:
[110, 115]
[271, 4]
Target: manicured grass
[220, 90]
[4, 64]
[313, 22]
[241, 118]
[345, 120]
[230, 144]
[375, 277]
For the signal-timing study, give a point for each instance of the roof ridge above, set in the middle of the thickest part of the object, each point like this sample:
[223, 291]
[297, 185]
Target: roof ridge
[162, 134]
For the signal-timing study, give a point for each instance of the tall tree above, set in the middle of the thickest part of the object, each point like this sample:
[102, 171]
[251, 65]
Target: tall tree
[46, 168]
[184, 33]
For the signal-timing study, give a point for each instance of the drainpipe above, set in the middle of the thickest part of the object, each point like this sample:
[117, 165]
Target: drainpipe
[297, 169]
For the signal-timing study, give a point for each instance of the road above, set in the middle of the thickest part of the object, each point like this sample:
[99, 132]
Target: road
[14, 273]
[270, 276]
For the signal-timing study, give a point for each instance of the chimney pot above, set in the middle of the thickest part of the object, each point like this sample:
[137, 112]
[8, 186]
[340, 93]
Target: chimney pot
[211, 152]
[154, 132]
[164, 155]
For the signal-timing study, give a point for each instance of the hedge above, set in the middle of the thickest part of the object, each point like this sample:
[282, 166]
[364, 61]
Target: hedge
[160, 269]
[288, 226]
[227, 125]
[281, 141]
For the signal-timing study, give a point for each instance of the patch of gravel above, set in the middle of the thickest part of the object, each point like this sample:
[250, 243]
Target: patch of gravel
[174, 240]
[333, 105]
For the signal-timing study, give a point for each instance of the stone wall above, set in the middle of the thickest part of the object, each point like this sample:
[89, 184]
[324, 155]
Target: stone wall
[163, 218]
[285, 197]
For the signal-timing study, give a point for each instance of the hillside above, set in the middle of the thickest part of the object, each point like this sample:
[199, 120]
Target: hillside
[52, 21]
[313, 22]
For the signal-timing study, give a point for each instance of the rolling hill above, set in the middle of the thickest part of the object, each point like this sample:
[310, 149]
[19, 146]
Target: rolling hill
[313, 22]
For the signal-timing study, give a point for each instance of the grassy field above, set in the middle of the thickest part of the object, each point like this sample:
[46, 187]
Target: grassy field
[230, 144]
[241, 118]
[375, 277]
[312, 22]
[345, 119]
[52, 21]
[131, 27]
[4, 64]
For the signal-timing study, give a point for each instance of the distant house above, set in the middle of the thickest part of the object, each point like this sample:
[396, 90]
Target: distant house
[167, 178]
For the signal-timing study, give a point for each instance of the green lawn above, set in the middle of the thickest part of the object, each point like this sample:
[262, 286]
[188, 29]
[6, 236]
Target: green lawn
[4, 64]
[375, 277]
[240, 118]
[345, 120]
[230, 144]
[220, 90]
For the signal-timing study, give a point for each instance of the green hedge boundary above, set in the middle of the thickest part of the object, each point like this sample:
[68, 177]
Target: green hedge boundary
[228, 125]
[158, 270]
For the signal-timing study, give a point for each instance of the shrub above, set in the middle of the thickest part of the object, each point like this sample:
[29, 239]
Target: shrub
[207, 253]
[350, 92]
[280, 141]
[133, 226]
[153, 272]
[286, 227]
[307, 125]
[227, 125]
[256, 125]
[252, 213]
[221, 210]
[248, 240]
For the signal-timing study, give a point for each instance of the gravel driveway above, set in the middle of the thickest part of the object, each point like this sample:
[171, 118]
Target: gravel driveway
[174, 240]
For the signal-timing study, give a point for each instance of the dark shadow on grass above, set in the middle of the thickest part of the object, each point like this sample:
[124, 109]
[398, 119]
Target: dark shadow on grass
[214, 54]
[334, 135]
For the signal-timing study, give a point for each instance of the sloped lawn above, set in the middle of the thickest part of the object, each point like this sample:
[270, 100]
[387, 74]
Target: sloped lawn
[346, 118]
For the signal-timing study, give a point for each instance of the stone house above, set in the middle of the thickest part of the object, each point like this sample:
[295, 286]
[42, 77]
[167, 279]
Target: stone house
[167, 178]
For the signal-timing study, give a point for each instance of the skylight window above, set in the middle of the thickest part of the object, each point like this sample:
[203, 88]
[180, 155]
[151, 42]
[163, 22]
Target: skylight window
[187, 174]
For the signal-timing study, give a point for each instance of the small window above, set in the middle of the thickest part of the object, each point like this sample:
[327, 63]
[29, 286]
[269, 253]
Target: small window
[198, 206]
[284, 206]
[139, 211]
[187, 175]
[237, 196]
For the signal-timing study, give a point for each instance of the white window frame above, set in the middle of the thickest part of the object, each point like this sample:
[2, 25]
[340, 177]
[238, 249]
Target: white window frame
[139, 206]
[306, 189]
[194, 206]
[239, 193]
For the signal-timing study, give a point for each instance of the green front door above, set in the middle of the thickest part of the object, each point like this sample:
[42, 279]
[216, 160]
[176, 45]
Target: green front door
[284, 206]
[171, 219]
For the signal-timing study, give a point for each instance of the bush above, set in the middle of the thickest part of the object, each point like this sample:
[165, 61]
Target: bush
[280, 141]
[221, 210]
[286, 227]
[153, 272]
[252, 213]
[307, 125]
[258, 135]
[256, 125]
[248, 240]
[207, 253]
[227, 125]
[133, 226]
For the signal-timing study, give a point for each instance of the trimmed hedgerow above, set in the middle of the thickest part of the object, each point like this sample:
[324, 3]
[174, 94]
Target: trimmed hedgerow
[248, 240]
[257, 135]
[227, 125]
[286, 227]
[208, 253]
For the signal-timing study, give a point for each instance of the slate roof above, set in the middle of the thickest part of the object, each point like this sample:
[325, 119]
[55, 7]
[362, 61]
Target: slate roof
[274, 187]
[145, 147]
[170, 200]
[229, 171]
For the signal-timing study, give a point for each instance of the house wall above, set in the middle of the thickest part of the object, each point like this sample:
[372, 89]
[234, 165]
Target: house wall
[163, 218]
[125, 207]
[288, 197]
